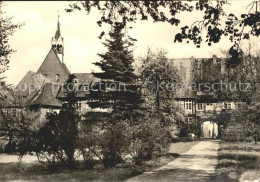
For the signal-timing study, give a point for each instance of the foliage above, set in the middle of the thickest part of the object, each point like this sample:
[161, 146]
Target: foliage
[130, 11]
[165, 11]
[117, 89]
[244, 78]
[105, 141]
[118, 93]
[159, 79]
[55, 140]
[244, 123]
[7, 28]
[16, 124]
[148, 139]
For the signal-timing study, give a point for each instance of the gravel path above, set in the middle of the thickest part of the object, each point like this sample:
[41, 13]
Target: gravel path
[197, 164]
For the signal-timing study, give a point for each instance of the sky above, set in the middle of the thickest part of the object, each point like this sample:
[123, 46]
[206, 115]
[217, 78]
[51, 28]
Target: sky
[80, 31]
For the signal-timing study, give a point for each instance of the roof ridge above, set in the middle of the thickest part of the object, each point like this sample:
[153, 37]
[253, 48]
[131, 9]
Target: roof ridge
[45, 59]
[62, 64]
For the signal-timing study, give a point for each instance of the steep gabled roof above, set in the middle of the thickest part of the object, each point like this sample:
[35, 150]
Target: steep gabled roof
[46, 96]
[31, 82]
[86, 78]
[52, 66]
[83, 79]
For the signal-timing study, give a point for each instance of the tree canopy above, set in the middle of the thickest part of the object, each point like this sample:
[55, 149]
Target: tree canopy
[235, 28]
[7, 28]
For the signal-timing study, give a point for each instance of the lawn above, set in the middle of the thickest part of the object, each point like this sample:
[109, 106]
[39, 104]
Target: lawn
[238, 161]
[11, 169]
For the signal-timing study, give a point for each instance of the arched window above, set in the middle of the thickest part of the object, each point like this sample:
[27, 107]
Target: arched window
[59, 47]
[57, 77]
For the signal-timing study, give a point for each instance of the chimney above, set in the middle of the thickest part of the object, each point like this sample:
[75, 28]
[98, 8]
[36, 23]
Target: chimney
[214, 59]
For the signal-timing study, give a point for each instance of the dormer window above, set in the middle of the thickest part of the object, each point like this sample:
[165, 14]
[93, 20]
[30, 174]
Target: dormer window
[76, 80]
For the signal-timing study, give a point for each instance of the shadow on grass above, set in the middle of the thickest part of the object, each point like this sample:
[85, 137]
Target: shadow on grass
[236, 158]
[176, 174]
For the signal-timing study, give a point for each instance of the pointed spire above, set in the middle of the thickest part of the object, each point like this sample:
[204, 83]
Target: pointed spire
[57, 34]
[57, 41]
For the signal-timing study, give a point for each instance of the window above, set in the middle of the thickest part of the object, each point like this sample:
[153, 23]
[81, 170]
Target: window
[76, 80]
[57, 77]
[200, 106]
[50, 109]
[188, 104]
[227, 105]
[188, 119]
[85, 87]
[78, 105]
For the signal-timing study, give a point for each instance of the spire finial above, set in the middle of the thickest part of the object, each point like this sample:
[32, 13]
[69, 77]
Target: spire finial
[57, 34]
[58, 14]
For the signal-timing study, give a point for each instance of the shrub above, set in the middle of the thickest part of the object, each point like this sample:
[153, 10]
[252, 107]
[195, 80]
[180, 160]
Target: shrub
[148, 139]
[243, 124]
[55, 142]
[105, 139]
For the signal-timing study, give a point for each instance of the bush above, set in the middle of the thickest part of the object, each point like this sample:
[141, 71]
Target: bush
[148, 139]
[244, 123]
[55, 142]
[104, 139]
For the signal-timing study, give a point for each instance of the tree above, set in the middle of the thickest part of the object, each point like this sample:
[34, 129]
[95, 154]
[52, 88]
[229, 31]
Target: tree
[56, 139]
[244, 123]
[165, 11]
[159, 79]
[245, 75]
[16, 125]
[118, 78]
[147, 139]
[116, 92]
[7, 29]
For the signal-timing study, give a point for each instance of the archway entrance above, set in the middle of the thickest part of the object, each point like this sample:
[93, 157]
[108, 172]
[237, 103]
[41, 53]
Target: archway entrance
[209, 129]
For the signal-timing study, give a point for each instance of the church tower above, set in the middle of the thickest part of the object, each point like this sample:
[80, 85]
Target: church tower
[53, 66]
[57, 42]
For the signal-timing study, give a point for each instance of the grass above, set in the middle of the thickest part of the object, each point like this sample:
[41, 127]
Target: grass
[238, 161]
[33, 171]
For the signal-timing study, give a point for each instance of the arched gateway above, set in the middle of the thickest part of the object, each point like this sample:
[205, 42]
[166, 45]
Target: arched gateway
[209, 129]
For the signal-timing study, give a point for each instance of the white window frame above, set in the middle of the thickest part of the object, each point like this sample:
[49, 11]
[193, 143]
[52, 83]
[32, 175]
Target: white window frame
[200, 106]
[188, 105]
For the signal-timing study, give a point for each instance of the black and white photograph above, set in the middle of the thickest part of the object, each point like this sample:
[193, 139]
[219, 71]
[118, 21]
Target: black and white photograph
[133, 91]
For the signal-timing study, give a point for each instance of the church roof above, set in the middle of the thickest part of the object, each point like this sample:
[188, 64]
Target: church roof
[52, 66]
[46, 96]
[31, 82]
